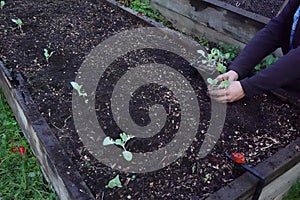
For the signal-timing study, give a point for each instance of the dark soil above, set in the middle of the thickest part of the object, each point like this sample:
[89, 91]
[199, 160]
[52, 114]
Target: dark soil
[267, 8]
[259, 126]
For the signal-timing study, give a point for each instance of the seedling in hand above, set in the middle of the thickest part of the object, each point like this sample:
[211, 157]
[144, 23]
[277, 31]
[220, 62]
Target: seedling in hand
[78, 88]
[122, 143]
[224, 84]
[214, 82]
[18, 22]
[212, 61]
[47, 54]
[2, 4]
[115, 182]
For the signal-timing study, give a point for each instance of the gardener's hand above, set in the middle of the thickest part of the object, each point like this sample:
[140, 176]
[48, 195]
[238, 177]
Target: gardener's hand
[230, 75]
[233, 93]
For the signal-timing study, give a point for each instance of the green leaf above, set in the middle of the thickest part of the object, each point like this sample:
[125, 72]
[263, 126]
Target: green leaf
[127, 155]
[46, 54]
[212, 81]
[221, 68]
[227, 56]
[193, 169]
[18, 22]
[115, 182]
[257, 67]
[215, 52]
[201, 52]
[78, 87]
[224, 84]
[207, 177]
[119, 142]
[108, 141]
[2, 4]
[123, 137]
[31, 174]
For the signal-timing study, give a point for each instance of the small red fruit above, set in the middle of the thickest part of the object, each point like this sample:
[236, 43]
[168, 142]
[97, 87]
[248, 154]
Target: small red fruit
[22, 150]
[14, 149]
[238, 158]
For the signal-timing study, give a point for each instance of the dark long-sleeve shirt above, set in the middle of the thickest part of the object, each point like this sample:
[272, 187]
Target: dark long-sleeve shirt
[284, 73]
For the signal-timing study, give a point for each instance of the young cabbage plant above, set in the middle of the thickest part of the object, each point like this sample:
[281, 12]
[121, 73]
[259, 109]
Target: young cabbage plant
[78, 88]
[2, 4]
[215, 60]
[212, 81]
[115, 182]
[47, 54]
[18, 22]
[266, 62]
[223, 84]
[124, 138]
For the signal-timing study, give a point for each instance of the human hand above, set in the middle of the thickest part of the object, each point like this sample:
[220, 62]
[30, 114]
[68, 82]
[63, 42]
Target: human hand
[230, 75]
[233, 93]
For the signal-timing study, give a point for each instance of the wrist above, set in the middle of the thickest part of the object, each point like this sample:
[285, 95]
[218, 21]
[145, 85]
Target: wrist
[233, 74]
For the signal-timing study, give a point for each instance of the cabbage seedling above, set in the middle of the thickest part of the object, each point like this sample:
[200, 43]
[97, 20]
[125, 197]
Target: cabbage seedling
[2, 4]
[214, 60]
[115, 182]
[212, 81]
[18, 22]
[78, 87]
[120, 142]
[47, 55]
[223, 84]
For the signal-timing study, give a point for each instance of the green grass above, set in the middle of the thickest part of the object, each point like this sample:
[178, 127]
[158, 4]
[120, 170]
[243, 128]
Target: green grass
[145, 8]
[294, 192]
[20, 175]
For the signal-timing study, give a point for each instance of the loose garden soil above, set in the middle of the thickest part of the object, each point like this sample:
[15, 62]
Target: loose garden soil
[267, 8]
[258, 126]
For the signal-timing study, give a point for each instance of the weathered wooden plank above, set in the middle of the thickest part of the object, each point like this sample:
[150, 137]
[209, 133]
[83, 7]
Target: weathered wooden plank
[241, 12]
[277, 188]
[213, 21]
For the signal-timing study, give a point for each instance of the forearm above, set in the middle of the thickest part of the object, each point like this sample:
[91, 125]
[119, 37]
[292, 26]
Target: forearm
[266, 41]
[283, 72]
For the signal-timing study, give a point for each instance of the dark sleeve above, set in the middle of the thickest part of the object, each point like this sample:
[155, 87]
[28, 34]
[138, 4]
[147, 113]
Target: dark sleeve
[265, 41]
[283, 72]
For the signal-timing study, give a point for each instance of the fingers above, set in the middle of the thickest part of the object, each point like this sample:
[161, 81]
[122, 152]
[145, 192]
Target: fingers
[219, 95]
[217, 92]
[231, 76]
[233, 93]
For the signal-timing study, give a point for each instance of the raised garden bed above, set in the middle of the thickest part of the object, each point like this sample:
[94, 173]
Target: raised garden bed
[232, 22]
[267, 8]
[264, 128]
